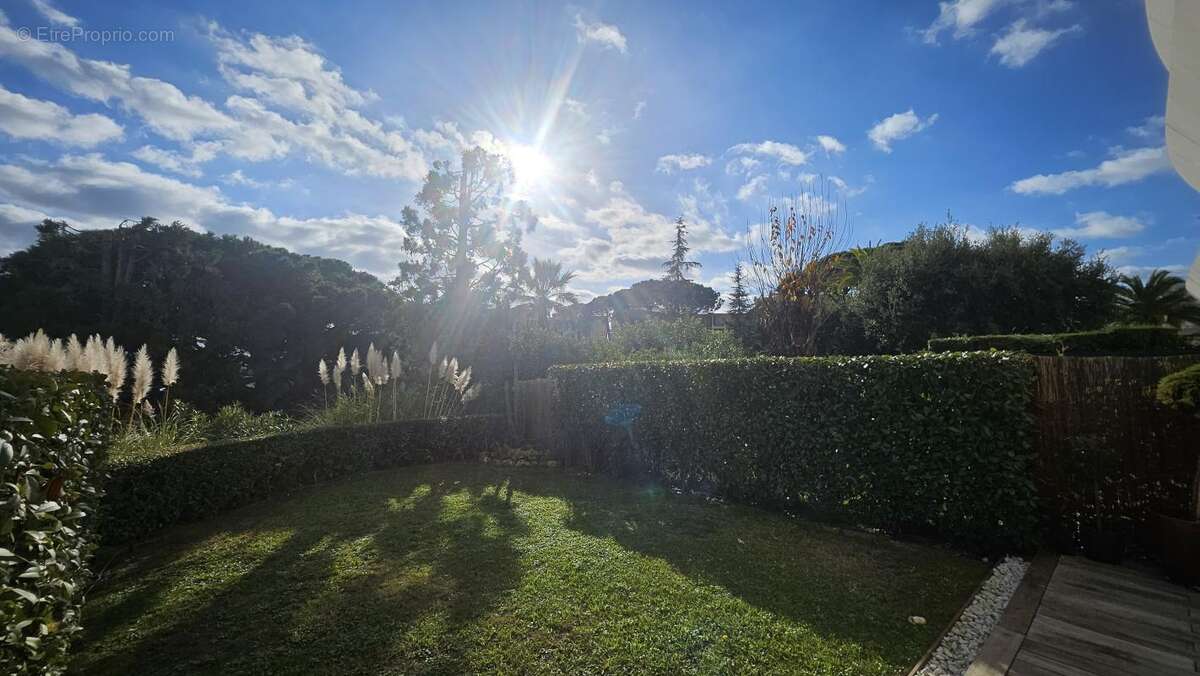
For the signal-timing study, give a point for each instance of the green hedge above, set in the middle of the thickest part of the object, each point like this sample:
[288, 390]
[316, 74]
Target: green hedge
[1120, 340]
[925, 444]
[146, 493]
[53, 431]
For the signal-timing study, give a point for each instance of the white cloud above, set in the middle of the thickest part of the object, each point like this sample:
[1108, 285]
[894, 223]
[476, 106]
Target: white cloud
[740, 166]
[286, 72]
[784, 152]
[1022, 43]
[16, 227]
[752, 187]
[845, 188]
[604, 34]
[671, 163]
[1126, 166]
[1101, 224]
[178, 163]
[54, 14]
[161, 105]
[24, 118]
[236, 177]
[831, 145]
[960, 15]
[1151, 128]
[90, 191]
[898, 127]
[638, 109]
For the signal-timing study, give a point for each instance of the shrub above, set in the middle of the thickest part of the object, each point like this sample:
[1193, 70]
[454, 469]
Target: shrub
[934, 444]
[52, 436]
[656, 339]
[1181, 390]
[233, 421]
[148, 492]
[1118, 340]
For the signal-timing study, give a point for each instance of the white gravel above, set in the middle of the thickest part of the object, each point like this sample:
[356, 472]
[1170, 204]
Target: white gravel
[962, 642]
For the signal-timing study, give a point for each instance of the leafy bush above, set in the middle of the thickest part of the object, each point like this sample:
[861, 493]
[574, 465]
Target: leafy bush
[53, 429]
[185, 425]
[1116, 340]
[233, 421]
[934, 444]
[656, 339]
[1181, 389]
[148, 492]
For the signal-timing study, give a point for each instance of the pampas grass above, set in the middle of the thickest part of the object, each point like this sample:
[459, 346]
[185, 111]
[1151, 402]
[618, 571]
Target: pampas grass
[39, 352]
[448, 388]
[338, 369]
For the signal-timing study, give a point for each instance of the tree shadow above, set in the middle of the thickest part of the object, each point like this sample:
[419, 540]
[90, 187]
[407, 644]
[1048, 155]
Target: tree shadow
[332, 595]
[844, 585]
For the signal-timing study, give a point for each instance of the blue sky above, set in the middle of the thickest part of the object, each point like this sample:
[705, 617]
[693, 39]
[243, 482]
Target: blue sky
[309, 125]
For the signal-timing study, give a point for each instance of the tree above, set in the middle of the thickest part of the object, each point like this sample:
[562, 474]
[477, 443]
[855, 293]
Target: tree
[1161, 299]
[670, 298]
[248, 320]
[739, 304]
[793, 269]
[941, 282]
[464, 244]
[679, 266]
[544, 287]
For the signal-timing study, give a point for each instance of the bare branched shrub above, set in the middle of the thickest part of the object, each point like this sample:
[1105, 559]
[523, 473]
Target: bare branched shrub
[792, 267]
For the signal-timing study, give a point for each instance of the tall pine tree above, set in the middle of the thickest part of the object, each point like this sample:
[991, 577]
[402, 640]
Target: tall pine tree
[679, 266]
[739, 305]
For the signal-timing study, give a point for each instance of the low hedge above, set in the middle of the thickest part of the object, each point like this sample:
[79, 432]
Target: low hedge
[53, 432]
[935, 444]
[1119, 340]
[146, 493]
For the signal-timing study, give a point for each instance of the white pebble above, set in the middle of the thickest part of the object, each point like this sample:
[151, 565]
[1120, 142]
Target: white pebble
[960, 645]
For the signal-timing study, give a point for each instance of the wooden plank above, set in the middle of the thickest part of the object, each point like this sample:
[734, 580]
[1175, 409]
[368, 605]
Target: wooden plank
[1058, 653]
[1135, 614]
[1124, 577]
[1029, 663]
[1178, 639]
[1094, 646]
[1101, 593]
[997, 653]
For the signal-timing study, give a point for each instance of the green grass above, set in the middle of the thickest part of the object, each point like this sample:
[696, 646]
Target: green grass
[449, 569]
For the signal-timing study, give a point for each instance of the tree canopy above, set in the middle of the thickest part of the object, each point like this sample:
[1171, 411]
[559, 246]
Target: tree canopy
[940, 282]
[248, 319]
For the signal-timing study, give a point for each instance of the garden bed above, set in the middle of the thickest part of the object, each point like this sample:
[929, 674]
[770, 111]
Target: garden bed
[469, 568]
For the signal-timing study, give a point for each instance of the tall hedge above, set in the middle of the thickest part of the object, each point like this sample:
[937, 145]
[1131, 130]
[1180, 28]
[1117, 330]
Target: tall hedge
[146, 493]
[1117, 340]
[936, 444]
[53, 431]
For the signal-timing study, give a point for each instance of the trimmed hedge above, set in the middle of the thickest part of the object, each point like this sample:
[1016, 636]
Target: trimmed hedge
[146, 493]
[1119, 340]
[933, 444]
[53, 432]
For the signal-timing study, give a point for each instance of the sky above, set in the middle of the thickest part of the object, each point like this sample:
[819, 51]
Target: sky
[310, 125]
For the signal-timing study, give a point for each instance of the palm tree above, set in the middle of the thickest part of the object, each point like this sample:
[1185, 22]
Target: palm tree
[544, 288]
[1161, 299]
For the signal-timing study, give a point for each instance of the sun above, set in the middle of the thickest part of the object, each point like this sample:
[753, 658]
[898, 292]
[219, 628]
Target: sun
[532, 169]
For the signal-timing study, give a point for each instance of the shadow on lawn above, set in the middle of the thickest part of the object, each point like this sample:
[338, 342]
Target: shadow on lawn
[397, 589]
[844, 585]
[329, 598]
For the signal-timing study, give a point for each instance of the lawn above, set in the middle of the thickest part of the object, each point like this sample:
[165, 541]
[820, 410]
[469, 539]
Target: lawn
[448, 569]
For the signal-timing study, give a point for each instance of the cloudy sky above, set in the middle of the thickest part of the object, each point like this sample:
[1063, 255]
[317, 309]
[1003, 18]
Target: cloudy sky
[311, 127]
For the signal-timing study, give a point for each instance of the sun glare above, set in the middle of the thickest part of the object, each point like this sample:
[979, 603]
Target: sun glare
[531, 168]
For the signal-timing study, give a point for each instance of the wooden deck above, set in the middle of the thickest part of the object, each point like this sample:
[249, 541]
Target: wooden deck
[1074, 617]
